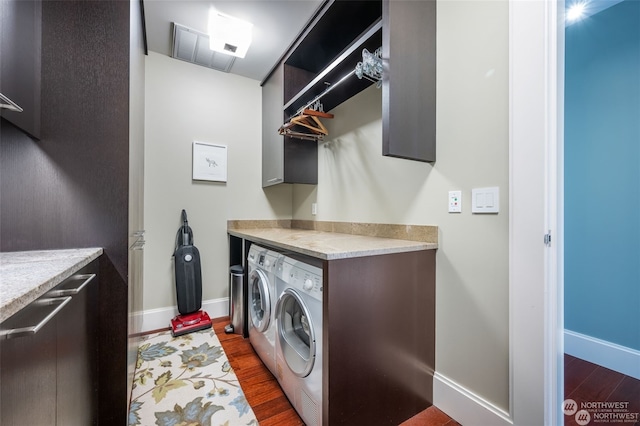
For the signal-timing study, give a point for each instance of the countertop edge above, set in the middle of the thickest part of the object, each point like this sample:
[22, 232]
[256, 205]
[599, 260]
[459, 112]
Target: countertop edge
[411, 245]
[14, 305]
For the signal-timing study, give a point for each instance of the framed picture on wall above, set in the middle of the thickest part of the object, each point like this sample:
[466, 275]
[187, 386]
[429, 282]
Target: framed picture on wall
[209, 162]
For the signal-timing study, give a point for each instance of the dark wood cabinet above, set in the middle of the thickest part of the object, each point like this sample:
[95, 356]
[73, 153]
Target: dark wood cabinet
[378, 333]
[272, 142]
[77, 353]
[409, 79]
[50, 377]
[284, 159]
[53, 190]
[28, 376]
[20, 67]
[379, 338]
[320, 66]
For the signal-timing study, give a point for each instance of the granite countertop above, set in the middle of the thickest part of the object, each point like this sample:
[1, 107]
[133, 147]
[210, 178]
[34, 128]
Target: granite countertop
[27, 275]
[329, 245]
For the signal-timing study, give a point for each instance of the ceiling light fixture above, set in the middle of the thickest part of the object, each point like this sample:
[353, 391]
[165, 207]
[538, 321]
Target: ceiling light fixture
[576, 11]
[228, 34]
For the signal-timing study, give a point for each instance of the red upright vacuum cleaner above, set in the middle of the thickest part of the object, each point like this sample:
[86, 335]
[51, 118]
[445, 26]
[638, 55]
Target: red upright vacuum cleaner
[188, 284]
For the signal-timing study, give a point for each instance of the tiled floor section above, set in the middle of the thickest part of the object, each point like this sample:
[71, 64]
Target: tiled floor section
[267, 400]
[590, 384]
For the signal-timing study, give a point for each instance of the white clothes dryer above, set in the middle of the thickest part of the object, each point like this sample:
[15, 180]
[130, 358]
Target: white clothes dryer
[261, 303]
[299, 337]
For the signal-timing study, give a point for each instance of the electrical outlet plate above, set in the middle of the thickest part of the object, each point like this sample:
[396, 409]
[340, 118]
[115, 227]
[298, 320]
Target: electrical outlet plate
[314, 208]
[455, 201]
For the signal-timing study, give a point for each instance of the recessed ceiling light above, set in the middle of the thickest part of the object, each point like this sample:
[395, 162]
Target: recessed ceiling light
[228, 34]
[576, 11]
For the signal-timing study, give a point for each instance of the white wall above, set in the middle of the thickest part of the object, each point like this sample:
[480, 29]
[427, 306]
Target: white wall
[186, 102]
[356, 183]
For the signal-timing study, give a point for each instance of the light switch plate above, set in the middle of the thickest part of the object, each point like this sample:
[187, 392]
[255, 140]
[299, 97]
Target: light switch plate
[485, 200]
[455, 201]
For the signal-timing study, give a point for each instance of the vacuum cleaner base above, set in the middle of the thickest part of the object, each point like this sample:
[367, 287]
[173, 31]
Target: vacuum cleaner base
[188, 323]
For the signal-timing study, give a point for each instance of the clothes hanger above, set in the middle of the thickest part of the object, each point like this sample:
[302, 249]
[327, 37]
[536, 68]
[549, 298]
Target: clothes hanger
[310, 122]
[307, 119]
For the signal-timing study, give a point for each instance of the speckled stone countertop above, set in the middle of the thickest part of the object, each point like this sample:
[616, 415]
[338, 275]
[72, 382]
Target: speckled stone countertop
[330, 245]
[27, 275]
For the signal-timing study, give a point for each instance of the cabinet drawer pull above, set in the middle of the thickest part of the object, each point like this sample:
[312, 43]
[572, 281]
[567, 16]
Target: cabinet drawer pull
[62, 291]
[9, 104]
[58, 302]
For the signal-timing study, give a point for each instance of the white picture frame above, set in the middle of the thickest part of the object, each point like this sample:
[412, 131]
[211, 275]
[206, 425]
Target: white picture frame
[209, 162]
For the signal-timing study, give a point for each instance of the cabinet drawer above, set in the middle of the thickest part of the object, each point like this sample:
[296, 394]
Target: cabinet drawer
[33, 318]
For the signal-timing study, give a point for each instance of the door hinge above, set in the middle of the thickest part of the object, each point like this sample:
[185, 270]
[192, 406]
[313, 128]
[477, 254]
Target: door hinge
[547, 239]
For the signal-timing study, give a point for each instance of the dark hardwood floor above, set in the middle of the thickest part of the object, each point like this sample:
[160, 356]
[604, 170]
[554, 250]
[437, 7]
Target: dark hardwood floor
[591, 385]
[269, 404]
[585, 383]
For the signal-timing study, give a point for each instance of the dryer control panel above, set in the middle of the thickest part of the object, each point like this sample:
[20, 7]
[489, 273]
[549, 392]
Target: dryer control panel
[302, 276]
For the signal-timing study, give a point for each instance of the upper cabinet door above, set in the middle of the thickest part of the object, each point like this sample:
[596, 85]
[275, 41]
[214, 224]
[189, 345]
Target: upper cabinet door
[409, 79]
[272, 142]
[20, 61]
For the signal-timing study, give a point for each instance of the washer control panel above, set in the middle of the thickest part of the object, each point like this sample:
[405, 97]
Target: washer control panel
[264, 258]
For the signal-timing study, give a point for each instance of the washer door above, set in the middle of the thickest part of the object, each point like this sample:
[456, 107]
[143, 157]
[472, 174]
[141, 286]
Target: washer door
[295, 333]
[260, 300]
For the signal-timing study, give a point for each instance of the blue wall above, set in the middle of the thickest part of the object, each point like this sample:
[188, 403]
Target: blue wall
[602, 175]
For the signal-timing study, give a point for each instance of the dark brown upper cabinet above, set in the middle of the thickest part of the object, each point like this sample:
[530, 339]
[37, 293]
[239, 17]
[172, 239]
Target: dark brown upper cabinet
[327, 53]
[320, 66]
[409, 79]
[20, 64]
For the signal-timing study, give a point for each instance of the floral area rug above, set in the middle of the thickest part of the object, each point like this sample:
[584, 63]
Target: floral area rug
[186, 380]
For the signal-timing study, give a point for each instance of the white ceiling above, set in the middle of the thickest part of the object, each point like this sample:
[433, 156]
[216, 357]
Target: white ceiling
[276, 23]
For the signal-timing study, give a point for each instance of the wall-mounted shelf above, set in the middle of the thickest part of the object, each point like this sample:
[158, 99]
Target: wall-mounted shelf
[321, 64]
[336, 83]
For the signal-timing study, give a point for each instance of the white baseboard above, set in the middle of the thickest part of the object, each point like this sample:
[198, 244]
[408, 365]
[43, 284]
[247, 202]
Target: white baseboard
[464, 406]
[610, 355]
[155, 319]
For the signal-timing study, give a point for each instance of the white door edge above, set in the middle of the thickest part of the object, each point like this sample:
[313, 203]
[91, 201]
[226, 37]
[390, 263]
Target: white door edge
[535, 154]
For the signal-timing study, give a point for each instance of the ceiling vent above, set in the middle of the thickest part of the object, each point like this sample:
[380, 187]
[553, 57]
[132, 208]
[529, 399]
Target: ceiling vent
[193, 46]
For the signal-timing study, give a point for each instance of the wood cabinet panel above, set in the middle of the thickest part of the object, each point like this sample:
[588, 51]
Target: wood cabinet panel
[409, 79]
[50, 377]
[77, 354]
[28, 378]
[284, 159]
[379, 339]
[20, 67]
[272, 142]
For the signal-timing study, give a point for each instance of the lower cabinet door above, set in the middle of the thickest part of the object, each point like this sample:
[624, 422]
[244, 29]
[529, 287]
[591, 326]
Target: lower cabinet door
[28, 377]
[48, 353]
[76, 378]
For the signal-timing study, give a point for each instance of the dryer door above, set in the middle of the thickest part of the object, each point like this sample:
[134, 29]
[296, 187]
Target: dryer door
[260, 300]
[295, 333]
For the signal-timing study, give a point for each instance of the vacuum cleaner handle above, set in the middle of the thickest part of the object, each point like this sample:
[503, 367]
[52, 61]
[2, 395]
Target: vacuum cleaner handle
[187, 236]
[184, 237]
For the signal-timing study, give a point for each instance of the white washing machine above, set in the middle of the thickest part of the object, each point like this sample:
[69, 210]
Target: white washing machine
[299, 337]
[261, 303]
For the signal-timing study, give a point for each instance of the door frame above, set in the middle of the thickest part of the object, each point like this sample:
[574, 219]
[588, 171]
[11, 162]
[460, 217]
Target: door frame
[536, 75]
